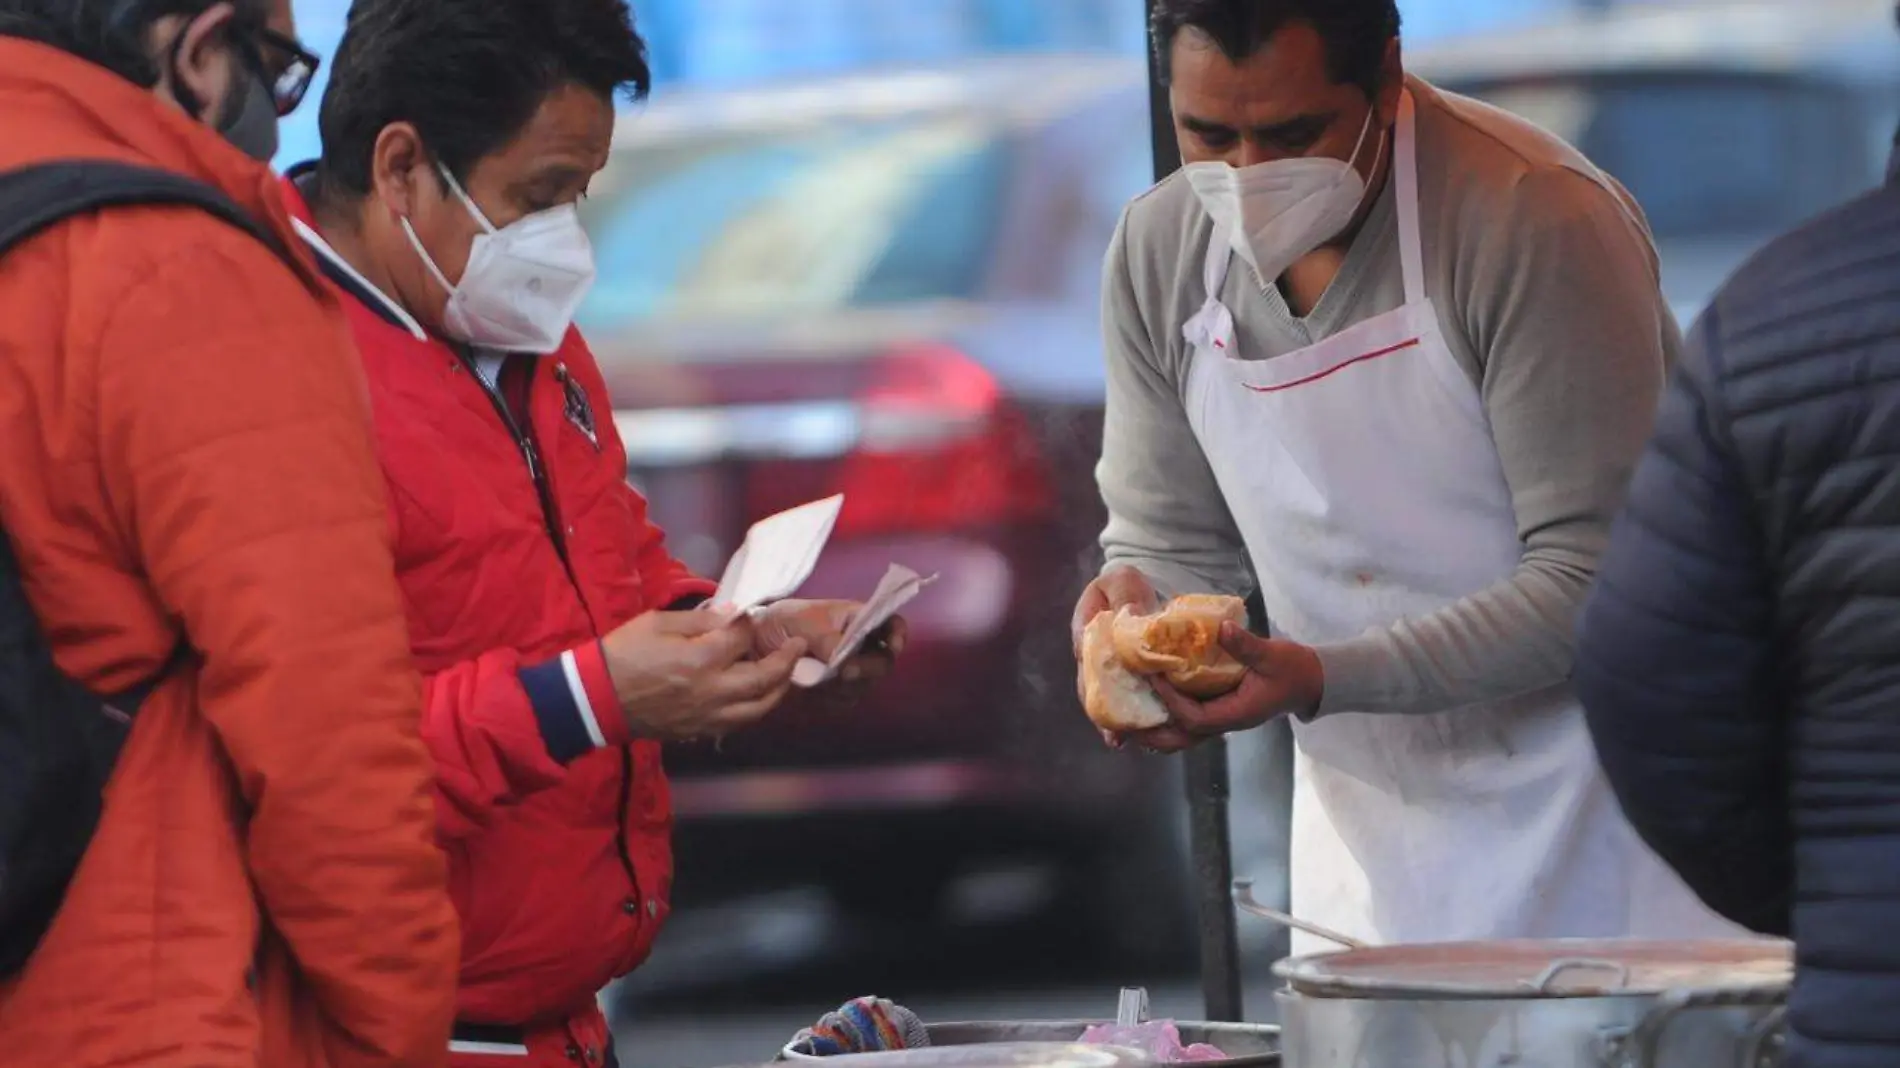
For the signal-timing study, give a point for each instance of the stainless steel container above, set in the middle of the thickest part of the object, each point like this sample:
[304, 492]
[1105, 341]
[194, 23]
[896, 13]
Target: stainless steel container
[1537, 1004]
[1246, 1045]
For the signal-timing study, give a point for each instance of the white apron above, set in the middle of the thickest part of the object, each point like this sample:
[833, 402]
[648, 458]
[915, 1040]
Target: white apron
[1363, 477]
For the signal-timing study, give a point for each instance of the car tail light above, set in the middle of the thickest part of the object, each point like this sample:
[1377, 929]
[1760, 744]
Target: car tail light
[920, 441]
[942, 449]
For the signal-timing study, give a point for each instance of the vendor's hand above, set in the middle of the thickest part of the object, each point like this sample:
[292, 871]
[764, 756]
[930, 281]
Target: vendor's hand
[687, 675]
[1118, 586]
[1282, 677]
[821, 625]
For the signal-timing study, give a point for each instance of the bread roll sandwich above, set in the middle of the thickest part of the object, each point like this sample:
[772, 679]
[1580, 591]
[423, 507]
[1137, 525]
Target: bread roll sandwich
[1180, 643]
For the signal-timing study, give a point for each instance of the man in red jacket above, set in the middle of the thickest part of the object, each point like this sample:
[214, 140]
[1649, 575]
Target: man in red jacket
[560, 642]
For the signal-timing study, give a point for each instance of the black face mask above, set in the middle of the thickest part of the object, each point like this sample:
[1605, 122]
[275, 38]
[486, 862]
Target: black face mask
[247, 116]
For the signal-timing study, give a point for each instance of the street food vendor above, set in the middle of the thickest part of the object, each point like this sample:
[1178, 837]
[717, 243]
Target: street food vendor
[1387, 355]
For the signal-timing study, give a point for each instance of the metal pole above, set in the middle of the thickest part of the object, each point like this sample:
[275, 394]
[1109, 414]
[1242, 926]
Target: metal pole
[1206, 770]
[1167, 152]
[1207, 791]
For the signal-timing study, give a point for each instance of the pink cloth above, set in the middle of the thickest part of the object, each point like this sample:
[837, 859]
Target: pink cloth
[1159, 1039]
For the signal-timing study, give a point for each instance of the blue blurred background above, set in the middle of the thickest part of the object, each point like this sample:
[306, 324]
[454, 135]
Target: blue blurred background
[726, 42]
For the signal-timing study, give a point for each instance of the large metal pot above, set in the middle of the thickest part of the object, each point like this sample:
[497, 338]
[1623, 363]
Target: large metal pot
[1537, 1004]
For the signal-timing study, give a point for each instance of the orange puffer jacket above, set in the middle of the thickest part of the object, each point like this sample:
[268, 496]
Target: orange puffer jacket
[184, 446]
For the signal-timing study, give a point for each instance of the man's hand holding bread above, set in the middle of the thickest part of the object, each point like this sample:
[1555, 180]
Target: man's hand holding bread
[1170, 676]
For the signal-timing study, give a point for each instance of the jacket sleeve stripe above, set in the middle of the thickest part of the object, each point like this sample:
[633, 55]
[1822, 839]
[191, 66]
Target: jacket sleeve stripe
[561, 709]
[603, 701]
[582, 702]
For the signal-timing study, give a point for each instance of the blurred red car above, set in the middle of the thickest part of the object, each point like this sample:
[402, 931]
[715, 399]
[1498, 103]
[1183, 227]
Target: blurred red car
[887, 287]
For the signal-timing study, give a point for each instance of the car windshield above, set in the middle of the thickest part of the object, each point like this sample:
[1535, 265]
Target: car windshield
[1708, 157]
[784, 223]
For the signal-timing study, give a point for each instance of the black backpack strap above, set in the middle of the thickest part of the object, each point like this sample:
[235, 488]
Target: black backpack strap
[37, 197]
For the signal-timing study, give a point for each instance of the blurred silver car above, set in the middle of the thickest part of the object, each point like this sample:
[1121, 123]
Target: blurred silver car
[1729, 122]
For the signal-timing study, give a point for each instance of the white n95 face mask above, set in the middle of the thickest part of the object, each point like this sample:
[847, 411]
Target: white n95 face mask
[523, 283]
[1278, 211]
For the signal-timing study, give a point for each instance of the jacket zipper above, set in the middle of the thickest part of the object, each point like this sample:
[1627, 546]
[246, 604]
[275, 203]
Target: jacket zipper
[550, 519]
[620, 827]
[530, 454]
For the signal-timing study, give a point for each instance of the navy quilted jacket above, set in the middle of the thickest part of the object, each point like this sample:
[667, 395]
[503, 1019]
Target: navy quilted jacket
[1740, 657]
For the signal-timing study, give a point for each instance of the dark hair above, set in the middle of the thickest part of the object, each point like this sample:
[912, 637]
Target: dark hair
[1356, 32]
[470, 74]
[107, 33]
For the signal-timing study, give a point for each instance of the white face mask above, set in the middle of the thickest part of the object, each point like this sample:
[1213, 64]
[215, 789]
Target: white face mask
[523, 283]
[1278, 211]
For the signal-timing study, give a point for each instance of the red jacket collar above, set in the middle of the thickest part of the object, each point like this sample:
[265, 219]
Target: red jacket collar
[359, 291]
[294, 200]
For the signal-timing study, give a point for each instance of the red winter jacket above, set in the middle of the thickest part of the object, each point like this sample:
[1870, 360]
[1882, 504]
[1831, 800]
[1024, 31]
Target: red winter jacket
[556, 828]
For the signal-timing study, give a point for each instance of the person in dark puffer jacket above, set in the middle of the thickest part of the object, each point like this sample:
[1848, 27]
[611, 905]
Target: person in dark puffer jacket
[1740, 657]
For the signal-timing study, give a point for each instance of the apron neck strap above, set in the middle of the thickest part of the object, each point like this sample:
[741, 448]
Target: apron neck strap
[1219, 252]
[1405, 173]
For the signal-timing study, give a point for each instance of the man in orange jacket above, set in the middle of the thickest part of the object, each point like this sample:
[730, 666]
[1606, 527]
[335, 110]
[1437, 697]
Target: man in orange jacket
[185, 452]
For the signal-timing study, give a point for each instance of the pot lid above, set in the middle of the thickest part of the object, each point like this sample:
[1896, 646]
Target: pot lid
[1540, 968]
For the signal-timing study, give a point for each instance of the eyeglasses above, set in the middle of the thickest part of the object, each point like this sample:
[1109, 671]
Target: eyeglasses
[287, 65]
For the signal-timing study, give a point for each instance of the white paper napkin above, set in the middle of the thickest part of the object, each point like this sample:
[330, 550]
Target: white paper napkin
[778, 555]
[898, 588]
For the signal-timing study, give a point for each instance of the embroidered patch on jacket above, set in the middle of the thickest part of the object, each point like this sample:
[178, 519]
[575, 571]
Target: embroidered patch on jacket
[576, 407]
